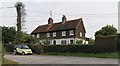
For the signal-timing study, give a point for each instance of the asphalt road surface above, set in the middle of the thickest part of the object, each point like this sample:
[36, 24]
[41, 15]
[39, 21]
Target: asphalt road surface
[39, 59]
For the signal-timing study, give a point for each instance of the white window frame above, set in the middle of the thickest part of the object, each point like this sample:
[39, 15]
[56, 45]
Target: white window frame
[54, 34]
[48, 34]
[71, 32]
[38, 36]
[80, 34]
[63, 33]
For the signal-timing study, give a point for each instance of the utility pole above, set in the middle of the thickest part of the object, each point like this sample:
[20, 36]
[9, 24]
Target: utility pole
[19, 6]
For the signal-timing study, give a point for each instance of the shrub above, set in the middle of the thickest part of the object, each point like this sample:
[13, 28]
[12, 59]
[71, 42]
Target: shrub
[9, 47]
[69, 48]
[55, 48]
[36, 48]
[81, 48]
[79, 42]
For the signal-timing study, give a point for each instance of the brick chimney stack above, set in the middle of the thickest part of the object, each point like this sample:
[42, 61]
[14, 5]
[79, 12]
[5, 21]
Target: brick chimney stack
[64, 19]
[50, 21]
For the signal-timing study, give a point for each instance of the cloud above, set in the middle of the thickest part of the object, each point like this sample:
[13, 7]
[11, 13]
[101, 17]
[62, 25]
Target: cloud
[95, 15]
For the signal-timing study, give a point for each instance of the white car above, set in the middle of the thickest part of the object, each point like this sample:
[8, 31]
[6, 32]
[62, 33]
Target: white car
[22, 49]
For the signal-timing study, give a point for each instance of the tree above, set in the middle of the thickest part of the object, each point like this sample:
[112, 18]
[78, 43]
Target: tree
[28, 39]
[106, 31]
[8, 34]
[20, 18]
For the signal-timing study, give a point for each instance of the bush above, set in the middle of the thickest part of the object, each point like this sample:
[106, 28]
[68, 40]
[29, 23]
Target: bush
[69, 48]
[55, 48]
[79, 42]
[9, 47]
[81, 48]
[36, 48]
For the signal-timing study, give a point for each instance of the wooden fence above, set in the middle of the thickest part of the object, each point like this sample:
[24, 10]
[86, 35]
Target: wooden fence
[105, 44]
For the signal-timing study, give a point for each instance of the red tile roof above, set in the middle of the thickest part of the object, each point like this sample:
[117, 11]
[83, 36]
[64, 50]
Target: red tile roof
[70, 24]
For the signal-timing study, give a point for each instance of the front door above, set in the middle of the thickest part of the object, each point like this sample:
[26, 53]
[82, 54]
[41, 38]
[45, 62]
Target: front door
[54, 42]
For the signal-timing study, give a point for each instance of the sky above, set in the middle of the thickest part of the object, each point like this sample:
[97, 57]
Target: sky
[95, 13]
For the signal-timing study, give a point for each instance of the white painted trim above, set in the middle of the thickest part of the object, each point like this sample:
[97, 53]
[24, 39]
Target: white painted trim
[58, 41]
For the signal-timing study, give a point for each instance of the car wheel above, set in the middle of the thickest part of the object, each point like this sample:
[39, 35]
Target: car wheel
[14, 53]
[23, 53]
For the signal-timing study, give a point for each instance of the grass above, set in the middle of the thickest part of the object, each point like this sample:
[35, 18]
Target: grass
[101, 55]
[6, 61]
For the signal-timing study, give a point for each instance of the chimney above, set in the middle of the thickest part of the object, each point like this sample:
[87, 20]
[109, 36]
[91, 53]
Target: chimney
[64, 19]
[50, 21]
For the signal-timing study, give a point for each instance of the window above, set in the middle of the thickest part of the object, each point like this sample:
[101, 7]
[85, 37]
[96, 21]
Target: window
[71, 41]
[80, 34]
[18, 46]
[48, 34]
[63, 42]
[71, 32]
[38, 35]
[63, 33]
[54, 34]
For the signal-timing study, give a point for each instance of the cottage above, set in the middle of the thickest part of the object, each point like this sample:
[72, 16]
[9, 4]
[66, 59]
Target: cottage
[63, 33]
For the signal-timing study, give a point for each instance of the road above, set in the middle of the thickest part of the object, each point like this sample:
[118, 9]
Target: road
[39, 59]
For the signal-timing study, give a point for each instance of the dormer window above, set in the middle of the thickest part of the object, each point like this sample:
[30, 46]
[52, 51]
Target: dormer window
[38, 36]
[48, 34]
[63, 33]
[71, 32]
[54, 34]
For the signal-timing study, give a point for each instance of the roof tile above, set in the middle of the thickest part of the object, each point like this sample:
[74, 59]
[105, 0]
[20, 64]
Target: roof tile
[71, 24]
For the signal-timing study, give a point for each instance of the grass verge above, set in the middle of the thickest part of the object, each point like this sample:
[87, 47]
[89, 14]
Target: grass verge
[6, 61]
[101, 55]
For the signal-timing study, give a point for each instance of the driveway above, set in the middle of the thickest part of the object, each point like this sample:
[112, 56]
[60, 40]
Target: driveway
[39, 59]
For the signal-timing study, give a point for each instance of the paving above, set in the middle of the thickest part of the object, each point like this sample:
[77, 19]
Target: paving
[40, 59]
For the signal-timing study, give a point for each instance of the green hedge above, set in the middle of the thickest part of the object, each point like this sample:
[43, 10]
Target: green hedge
[36, 48]
[59, 48]
[55, 48]
[69, 48]
[9, 47]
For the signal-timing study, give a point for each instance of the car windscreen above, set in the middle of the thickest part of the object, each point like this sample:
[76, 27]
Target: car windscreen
[25, 47]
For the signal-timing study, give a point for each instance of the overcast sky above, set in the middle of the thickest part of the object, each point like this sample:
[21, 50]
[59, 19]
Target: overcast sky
[95, 14]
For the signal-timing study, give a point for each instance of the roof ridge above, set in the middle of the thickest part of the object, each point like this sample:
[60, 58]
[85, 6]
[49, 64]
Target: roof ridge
[61, 22]
[68, 20]
[75, 19]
